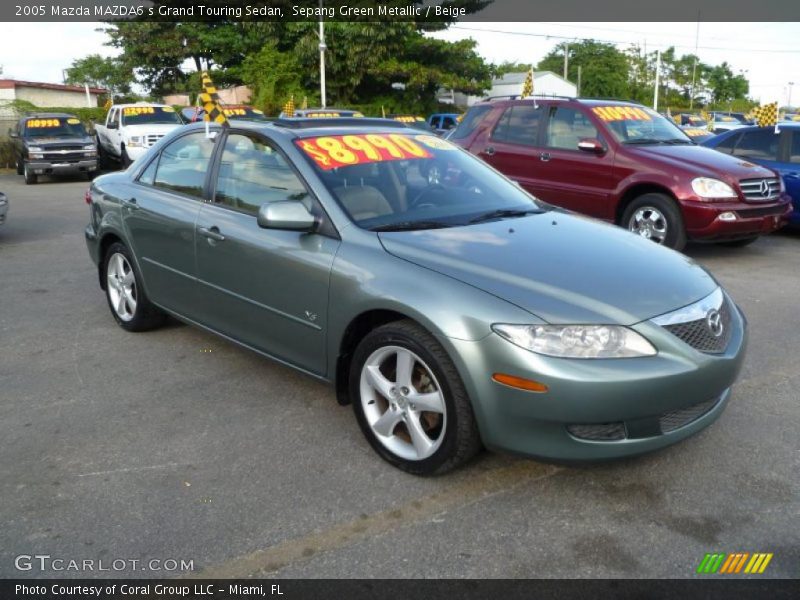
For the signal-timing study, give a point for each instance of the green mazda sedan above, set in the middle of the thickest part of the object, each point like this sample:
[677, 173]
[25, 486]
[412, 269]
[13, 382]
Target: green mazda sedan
[451, 309]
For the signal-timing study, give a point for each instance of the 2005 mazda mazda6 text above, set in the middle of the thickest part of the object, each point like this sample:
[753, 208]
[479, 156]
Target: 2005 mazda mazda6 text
[451, 308]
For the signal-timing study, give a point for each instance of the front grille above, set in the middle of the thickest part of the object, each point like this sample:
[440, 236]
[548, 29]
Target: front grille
[152, 139]
[761, 190]
[68, 147]
[604, 432]
[698, 333]
[63, 158]
[675, 419]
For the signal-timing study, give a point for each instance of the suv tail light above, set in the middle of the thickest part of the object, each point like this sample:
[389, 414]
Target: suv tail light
[88, 196]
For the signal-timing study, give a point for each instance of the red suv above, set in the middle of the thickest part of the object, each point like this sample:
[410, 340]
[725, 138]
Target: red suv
[624, 163]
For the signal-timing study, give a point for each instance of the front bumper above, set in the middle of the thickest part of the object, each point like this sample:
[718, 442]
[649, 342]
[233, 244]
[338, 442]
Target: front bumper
[46, 167]
[703, 222]
[641, 395]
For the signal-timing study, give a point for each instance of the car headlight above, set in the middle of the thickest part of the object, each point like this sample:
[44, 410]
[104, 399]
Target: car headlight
[135, 140]
[706, 187]
[89, 147]
[577, 341]
[35, 155]
[34, 149]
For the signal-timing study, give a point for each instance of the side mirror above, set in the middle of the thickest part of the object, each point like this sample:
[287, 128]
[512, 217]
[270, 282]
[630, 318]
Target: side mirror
[291, 215]
[591, 145]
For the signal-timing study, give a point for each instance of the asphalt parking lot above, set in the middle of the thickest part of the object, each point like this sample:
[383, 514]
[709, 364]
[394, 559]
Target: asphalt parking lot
[175, 444]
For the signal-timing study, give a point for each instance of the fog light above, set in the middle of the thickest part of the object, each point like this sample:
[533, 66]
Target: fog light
[727, 216]
[520, 383]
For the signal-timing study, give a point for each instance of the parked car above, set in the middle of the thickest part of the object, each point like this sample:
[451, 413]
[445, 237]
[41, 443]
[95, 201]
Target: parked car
[322, 113]
[722, 121]
[234, 112]
[441, 123]
[130, 129]
[414, 121]
[790, 118]
[3, 208]
[777, 151]
[691, 120]
[697, 135]
[451, 314]
[626, 164]
[52, 144]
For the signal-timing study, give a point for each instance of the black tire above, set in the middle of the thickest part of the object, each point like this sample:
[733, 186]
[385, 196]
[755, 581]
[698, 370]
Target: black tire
[461, 440]
[740, 243]
[124, 159]
[146, 315]
[30, 178]
[675, 232]
[102, 159]
[20, 170]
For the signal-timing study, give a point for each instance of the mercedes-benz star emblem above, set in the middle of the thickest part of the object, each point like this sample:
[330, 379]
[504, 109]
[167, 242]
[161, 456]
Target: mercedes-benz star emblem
[714, 322]
[764, 189]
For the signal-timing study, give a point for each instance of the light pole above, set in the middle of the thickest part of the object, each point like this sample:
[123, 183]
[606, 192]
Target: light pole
[789, 103]
[322, 48]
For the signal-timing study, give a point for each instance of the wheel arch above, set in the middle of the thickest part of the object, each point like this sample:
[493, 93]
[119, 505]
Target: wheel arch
[105, 243]
[639, 189]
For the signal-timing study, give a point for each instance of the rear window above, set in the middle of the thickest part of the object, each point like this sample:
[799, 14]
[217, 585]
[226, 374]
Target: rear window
[471, 121]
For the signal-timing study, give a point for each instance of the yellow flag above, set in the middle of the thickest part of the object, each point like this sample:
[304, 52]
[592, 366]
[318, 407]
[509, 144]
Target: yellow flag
[108, 104]
[210, 101]
[527, 87]
[304, 106]
[288, 108]
[766, 115]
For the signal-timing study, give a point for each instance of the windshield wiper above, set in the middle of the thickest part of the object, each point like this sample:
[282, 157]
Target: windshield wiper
[505, 213]
[643, 141]
[411, 226]
[677, 141]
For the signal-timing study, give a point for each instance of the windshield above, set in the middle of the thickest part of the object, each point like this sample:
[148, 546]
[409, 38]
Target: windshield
[54, 127]
[149, 115]
[411, 181]
[638, 125]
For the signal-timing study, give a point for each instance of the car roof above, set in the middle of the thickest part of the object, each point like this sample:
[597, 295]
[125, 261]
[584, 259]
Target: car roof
[295, 128]
[557, 99]
[47, 115]
[138, 104]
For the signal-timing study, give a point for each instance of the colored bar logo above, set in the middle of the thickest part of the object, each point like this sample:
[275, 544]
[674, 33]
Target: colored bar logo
[734, 563]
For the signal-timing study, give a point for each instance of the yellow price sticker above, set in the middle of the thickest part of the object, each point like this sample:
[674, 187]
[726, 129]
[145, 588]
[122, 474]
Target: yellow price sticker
[621, 113]
[431, 141]
[43, 123]
[74, 121]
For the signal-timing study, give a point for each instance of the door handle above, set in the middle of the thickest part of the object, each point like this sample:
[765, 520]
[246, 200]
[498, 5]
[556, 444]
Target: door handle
[489, 151]
[544, 156]
[130, 204]
[212, 233]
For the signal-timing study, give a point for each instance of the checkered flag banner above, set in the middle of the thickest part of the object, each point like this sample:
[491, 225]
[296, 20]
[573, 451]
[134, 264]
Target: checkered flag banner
[211, 103]
[288, 108]
[527, 87]
[766, 115]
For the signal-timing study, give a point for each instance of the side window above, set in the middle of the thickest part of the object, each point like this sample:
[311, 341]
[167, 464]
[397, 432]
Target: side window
[184, 163]
[471, 121]
[111, 116]
[727, 145]
[566, 127]
[448, 122]
[761, 144]
[520, 125]
[252, 172]
[794, 149]
[148, 176]
[500, 133]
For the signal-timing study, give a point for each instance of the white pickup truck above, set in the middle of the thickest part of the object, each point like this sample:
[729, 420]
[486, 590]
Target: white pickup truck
[130, 129]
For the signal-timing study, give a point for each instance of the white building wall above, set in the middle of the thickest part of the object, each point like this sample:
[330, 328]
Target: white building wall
[44, 98]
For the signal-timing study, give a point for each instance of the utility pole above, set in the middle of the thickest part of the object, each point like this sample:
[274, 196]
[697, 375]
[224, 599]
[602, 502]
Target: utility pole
[658, 72]
[322, 48]
[694, 66]
[579, 81]
[566, 58]
[789, 103]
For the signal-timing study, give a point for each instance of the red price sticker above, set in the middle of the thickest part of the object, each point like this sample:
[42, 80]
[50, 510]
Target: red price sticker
[332, 152]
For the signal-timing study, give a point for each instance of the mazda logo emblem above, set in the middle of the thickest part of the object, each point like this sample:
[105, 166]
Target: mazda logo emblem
[764, 189]
[714, 322]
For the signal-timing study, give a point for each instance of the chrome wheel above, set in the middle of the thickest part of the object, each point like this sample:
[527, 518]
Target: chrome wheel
[121, 286]
[650, 223]
[403, 403]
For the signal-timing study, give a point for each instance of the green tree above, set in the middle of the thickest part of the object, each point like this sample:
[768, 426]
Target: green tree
[604, 69]
[274, 76]
[725, 86]
[107, 72]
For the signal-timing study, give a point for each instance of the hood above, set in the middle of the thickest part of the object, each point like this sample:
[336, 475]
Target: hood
[150, 128]
[59, 141]
[704, 161]
[561, 267]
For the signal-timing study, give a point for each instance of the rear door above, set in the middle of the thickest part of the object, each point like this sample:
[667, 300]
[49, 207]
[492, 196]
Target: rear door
[264, 287]
[575, 179]
[513, 145]
[160, 214]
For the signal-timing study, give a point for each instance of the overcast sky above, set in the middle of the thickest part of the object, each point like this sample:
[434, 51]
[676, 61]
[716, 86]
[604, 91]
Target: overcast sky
[769, 53]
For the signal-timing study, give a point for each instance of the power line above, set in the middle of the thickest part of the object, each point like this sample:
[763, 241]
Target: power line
[572, 37]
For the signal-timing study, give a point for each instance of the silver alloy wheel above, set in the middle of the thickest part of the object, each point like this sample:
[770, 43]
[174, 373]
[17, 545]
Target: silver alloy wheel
[408, 415]
[121, 286]
[650, 223]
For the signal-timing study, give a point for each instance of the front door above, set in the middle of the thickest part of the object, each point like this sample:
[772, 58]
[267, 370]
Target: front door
[264, 287]
[160, 212]
[572, 178]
